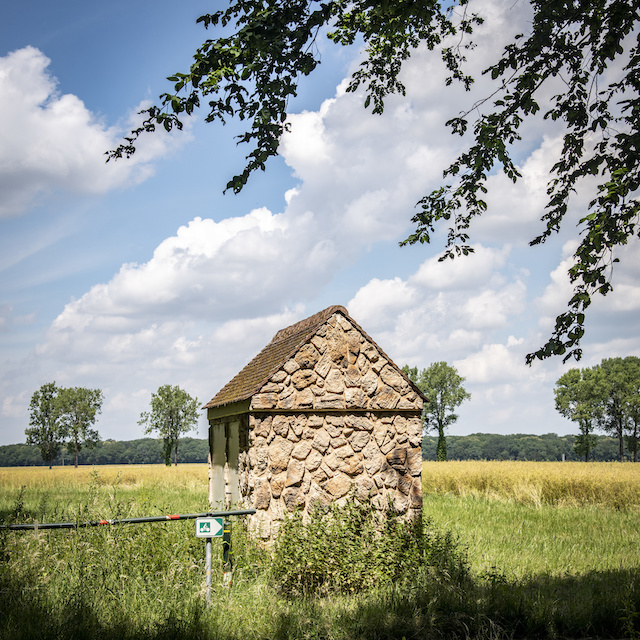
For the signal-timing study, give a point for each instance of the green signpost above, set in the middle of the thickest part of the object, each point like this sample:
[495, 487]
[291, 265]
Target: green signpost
[209, 527]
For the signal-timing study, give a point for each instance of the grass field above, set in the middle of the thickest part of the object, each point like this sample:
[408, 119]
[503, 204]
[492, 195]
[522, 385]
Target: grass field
[552, 551]
[533, 518]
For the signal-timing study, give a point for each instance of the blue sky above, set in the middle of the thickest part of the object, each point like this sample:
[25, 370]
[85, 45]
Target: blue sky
[130, 275]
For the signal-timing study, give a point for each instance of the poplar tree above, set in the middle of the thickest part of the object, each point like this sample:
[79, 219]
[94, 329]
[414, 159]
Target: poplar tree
[45, 429]
[173, 412]
[442, 386]
[79, 408]
[580, 396]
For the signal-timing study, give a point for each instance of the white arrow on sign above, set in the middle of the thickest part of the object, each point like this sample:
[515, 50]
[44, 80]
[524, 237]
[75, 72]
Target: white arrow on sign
[209, 527]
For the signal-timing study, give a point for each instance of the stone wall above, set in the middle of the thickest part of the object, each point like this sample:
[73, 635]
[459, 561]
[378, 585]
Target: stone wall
[337, 418]
[338, 369]
[299, 460]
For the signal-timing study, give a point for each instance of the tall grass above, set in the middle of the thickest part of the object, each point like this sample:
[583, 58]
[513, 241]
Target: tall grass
[61, 492]
[563, 484]
[147, 581]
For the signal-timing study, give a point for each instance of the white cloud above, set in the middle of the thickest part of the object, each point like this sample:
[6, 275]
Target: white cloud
[51, 142]
[494, 363]
[463, 273]
[214, 293]
[420, 320]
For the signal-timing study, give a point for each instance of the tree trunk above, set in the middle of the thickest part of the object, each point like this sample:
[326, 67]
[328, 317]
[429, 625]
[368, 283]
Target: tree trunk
[441, 448]
[76, 445]
[621, 441]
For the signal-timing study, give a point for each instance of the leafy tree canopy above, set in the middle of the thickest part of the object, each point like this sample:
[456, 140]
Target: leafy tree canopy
[605, 396]
[79, 408]
[173, 412]
[254, 67]
[442, 386]
[60, 415]
[580, 396]
[45, 428]
[621, 413]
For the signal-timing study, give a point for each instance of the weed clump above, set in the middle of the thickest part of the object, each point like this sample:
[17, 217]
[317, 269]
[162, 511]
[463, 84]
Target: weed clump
[351, 549]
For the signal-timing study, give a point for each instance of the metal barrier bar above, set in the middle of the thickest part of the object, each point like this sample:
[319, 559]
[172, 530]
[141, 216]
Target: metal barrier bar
[97, 523]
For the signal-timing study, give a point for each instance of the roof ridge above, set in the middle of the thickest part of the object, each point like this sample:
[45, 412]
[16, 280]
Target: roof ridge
[285, 343]
[308, 323]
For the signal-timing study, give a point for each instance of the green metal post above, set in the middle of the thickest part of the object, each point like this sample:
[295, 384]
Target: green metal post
[227, 561]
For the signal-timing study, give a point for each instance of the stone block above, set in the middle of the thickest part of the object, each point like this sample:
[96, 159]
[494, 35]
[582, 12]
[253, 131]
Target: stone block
[280, 425]
[307, 356]
[277, 484]
[414, 461]
[355, 398]
[323, 366]
[337, 441]
[330, 401]
[304, 399]
[295, 473]
[351, 466]
[321, 440]
[415, 495]
[338, 486]
[303, 378]
[313, 460]
[279, 454]
[397, 458]
[370, 351]
[359, 440]
[264, 401]
[261, 494]
[301, 450]
[319, 343]
[334, 382]
[404, 483]
[287, 398]
[365, 488]
[393, 378]
[293, 498]
[385, 398]
[331, 461]
[344, 451]
[369, 383]
[291, 366]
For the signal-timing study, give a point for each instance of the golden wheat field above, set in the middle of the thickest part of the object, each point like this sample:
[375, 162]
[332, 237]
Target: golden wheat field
[563, 484]
[606, 484]
[141, 489]
[184, 476]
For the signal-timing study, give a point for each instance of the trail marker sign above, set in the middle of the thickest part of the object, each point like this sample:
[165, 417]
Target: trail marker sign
[209, 527]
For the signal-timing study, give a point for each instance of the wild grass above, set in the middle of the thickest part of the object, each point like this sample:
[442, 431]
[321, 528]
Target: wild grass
[62, 492]
[562, 484]
[520, 569]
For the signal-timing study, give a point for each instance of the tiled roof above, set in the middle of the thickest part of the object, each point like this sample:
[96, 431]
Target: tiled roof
[282, 347]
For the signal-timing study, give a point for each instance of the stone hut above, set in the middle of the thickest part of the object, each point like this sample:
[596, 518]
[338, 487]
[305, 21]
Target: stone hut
[320, 414]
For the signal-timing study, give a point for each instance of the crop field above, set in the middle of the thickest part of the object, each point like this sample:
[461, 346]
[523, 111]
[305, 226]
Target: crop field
[508, 550]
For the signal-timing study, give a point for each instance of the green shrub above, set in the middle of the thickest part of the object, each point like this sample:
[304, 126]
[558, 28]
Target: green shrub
[351, 549]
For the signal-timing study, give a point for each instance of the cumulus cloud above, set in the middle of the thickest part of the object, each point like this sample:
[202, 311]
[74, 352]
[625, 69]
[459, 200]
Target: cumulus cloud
[52, 142]
[208, 271]
[418, 317]
[214, 293]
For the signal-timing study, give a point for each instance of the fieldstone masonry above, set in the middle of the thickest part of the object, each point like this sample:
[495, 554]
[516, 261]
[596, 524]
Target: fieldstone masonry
[334, 419]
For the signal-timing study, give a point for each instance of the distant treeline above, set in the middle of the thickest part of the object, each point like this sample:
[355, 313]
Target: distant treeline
[142, 451]
[479, 446]
[548, 447]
